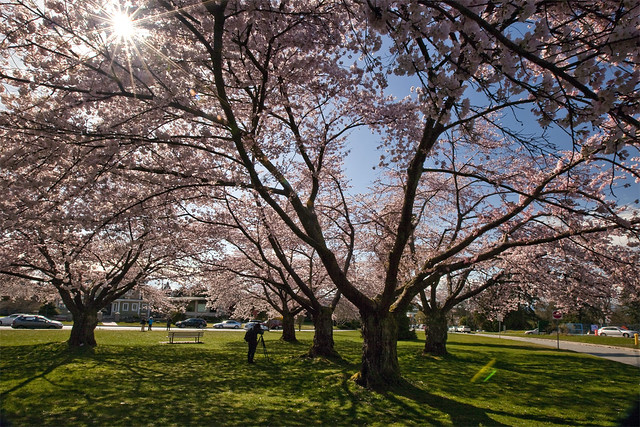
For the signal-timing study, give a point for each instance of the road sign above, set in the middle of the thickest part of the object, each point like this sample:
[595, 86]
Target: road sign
[557, 315]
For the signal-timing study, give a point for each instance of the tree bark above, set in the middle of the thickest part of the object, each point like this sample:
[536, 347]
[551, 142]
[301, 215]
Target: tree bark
[288, 327]
[323, 337]
[436, 333]
[83, 329]
[404, 331]
[380, 367]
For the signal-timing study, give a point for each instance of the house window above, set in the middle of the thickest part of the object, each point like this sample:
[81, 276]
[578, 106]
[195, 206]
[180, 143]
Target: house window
[201, 307]
[125, 306]
[114, 307]
[134, 306]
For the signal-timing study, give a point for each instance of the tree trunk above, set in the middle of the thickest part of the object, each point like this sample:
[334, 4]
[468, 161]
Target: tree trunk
[405, 333]
[83, 329]
[323, 336]
[436, 333]
[380, 367]
[288, 327]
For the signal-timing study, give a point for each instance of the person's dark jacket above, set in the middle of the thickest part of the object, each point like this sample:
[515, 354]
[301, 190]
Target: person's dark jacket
[252, 334]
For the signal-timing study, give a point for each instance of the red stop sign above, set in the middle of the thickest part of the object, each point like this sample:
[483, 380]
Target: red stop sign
[557, 314]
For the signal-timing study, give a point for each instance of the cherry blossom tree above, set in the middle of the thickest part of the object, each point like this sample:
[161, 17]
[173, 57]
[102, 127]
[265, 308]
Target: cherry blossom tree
[249, 293]
[521, 119]
[71, 228]
[270, 269]
[606, 274]
[464, 189]
[517, 58]
[89, 268]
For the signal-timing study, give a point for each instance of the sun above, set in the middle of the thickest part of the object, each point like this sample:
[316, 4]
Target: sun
[123, 25]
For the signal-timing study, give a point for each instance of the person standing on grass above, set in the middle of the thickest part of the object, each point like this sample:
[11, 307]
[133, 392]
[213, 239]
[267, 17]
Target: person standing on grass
[251, 337]
[150, 322]
[168, 323]
[142, 323]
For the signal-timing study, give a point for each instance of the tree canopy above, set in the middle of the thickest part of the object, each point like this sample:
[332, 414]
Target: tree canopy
[521, 120]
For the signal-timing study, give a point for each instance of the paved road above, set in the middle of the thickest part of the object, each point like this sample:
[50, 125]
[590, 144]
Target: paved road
[628, 356]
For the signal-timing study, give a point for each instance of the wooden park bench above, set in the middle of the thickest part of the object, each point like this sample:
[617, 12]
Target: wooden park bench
[196, 335]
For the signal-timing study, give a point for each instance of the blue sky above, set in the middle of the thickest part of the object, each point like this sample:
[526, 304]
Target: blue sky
[364, 157]
[362, 162]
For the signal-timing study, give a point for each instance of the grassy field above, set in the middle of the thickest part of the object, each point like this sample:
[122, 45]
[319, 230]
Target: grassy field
[132, 378]
[589, 339]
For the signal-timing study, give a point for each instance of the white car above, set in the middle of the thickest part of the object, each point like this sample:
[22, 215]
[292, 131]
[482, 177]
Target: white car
[228, 324]
[614, 331]
[463, 328]
[8, 320]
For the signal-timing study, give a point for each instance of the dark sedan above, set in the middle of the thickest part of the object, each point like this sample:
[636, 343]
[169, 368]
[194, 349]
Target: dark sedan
[192, 323]
[30, 321]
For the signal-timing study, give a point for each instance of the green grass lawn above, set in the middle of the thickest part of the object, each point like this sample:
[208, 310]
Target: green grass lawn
[131, 378]
[589, 339]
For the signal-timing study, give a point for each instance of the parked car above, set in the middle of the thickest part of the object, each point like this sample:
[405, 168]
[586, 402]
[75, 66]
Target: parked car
[463, 328]
[8, 320]
[192, 322]
[274, 323]
[31, 321]
[250, 324]
[614, 331]
[228, 324]
[532, 332]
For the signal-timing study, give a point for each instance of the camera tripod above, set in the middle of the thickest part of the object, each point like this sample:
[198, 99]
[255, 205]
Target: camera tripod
[264, 347]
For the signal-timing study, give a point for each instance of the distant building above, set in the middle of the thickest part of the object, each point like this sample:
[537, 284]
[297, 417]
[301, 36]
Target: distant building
[131, 306]
[195, 306]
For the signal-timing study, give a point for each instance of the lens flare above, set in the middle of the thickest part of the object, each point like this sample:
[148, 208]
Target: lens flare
[487, 370]
[123, 26]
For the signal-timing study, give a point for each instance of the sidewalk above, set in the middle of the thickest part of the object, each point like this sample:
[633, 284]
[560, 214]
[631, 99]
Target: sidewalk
[628, 356]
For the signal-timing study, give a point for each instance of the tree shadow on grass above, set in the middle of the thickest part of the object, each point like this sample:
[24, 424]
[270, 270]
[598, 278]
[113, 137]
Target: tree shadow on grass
[286, 371]
[533, 377]
[212, 384]
[31, 359]
[460, 413]
[512, 345]
[30, 363]
[139, 381]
